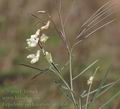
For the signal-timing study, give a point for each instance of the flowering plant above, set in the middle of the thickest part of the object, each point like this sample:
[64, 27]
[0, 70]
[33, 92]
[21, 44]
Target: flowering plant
[82, 100]
[38, 39]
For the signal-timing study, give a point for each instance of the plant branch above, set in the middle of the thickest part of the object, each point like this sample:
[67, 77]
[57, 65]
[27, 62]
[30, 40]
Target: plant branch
[75, 44]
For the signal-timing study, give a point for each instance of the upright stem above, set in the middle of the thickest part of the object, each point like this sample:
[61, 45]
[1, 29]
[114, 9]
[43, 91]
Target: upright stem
[69, 52]
[71, 77]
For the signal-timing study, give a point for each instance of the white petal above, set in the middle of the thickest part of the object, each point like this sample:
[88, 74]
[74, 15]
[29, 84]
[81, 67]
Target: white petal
[34, 60]
[30, 56]
[34, 57]
[43, 38]
[38, 54]
[37, 32]
[46, 26]
[33, 36]
[32, 42]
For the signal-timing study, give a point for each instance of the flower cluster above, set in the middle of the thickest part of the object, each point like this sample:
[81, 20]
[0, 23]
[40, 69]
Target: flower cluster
[33, 40]
[34, 57]
[38, 38]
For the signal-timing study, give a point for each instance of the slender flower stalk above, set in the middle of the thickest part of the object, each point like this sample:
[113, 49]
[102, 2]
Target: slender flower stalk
[71, 77]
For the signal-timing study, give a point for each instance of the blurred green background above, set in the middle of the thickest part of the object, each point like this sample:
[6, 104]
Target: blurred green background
[17, 23]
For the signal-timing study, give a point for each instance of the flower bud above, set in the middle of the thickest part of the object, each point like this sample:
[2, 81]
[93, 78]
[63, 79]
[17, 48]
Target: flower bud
[49, 57]
[90, 80]
[43, 38]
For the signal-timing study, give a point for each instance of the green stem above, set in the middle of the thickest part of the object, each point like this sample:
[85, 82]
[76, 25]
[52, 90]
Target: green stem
[59, 75]
[71, 77]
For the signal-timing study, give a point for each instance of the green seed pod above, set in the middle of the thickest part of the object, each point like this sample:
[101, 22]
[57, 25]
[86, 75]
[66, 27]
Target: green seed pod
[49, 57]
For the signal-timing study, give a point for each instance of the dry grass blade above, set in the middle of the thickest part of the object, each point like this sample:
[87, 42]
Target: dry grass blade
[94, 14]
[98, 22]
[63, 33]
[100, 27]
[93, 24]
[68, 15]
[59, 9]
[95, 18]
[102, 13]
[55, 26]
[109, 22]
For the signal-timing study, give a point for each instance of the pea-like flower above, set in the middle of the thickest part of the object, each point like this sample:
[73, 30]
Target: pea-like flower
[45, 27]
[34, 57]
[43, 38]
[33, 40]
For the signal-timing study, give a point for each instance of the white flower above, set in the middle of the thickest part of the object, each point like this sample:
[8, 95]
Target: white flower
[48, 57]
[33, 40]
[34, 57]
[90, 80]
[43, 38]
[45, 27]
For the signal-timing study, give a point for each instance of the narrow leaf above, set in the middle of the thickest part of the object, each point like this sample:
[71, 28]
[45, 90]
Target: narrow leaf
[110, 100]
[101, 84]
[31, 67]
[43, 72]
[92, 64]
